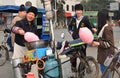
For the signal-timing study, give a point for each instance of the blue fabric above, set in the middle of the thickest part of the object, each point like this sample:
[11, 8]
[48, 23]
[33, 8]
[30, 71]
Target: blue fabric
[45, 37]
[14, 9]
[103, 68]
[40, 52]
[10, 43]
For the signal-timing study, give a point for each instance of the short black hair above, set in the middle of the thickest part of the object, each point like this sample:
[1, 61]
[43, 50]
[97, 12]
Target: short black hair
[78, 7]
[22, 8]
[33, 9]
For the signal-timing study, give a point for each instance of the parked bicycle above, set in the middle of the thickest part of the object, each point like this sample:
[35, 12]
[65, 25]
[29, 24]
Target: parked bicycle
[89, 68]
[4, 51]
[113, 69]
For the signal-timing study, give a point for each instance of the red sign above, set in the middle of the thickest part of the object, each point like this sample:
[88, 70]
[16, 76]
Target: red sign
[68, 14]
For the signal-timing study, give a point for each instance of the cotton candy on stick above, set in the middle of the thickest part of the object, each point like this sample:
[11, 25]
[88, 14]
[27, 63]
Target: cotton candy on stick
[30, 37]
[86, 35]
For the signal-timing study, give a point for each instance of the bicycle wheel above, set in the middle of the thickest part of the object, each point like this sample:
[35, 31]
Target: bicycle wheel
[3, 55]
[91, 69]
[111, 72]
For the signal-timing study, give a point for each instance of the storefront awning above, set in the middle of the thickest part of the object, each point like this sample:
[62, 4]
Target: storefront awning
[68, 14]
[14, 9]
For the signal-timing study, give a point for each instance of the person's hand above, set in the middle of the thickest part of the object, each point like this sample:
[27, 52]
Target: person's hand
[21, 31]
[71, 33]
[94, 29]
[95, 43]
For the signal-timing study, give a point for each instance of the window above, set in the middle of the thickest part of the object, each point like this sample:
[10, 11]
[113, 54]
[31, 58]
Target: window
[73, 8]
[67, 7]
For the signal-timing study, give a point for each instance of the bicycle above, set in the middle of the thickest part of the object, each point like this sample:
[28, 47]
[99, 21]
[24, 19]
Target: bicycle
[113, 68]
[89, 66]
[4, 52]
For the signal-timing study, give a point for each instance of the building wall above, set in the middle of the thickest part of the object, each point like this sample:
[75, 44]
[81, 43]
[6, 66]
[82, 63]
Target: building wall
[36, 3]
[117, 0]
[7, 2]
[19, 2]
[70, 3]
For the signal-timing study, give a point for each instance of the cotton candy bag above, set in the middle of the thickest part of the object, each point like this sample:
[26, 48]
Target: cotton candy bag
[30, 37]
[86, 35]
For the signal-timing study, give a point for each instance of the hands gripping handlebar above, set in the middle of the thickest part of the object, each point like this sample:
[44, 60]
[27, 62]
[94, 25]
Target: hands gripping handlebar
[69, 47]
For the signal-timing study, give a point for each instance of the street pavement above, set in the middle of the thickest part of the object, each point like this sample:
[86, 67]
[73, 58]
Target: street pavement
[6, 71]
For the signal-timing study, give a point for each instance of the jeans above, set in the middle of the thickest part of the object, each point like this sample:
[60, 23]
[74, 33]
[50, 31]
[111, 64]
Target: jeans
[10, 44]
[103, 68]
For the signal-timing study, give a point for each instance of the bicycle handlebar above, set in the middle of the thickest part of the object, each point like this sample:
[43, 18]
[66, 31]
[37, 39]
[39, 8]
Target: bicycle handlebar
[72, 45]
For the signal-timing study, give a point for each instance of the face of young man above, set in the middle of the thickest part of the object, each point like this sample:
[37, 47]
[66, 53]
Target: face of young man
[22, 13]
[30, 16]
[79, 13]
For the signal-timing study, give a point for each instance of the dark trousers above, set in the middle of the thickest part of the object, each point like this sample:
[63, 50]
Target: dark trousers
[10, 43]
[73, 60]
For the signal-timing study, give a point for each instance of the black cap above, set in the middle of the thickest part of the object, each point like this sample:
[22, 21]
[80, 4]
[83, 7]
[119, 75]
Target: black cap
[22, 8]
[33, 9]
[78, 7]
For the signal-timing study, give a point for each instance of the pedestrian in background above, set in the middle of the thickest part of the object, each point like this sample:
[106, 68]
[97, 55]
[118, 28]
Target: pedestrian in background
[105, 40]
[75, 24]
[20, 28]
[21, 15]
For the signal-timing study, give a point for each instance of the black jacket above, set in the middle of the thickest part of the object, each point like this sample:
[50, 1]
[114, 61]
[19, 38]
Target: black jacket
[84, 23]
[19, 39]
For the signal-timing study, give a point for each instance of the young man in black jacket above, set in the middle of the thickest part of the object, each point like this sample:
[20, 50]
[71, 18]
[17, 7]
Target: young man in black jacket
[75, 24]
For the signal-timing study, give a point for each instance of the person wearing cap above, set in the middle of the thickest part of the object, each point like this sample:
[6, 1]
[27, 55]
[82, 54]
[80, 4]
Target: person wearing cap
[75, 24]
[21, 14]
[27, 24]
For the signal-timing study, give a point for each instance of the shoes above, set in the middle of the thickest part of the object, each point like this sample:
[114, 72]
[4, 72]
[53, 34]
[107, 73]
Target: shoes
[73, 69]
[11, 50]
[74, 75]
[74, 72]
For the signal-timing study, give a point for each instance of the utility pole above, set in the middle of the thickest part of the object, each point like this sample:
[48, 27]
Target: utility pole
[55, 13]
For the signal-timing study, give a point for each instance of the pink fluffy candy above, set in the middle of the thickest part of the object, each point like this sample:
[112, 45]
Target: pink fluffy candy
[29, 37]
[86, 35]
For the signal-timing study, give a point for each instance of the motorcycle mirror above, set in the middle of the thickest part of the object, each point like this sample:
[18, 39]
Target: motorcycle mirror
[62, 35]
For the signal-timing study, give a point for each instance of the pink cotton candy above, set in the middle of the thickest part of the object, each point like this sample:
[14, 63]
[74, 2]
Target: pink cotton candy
[86, 35]
[29, 37]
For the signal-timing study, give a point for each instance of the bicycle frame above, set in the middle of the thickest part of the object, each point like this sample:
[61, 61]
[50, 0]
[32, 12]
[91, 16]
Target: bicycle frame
[112, 67]
[74, 50]
[3, 44]
[5, 37]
